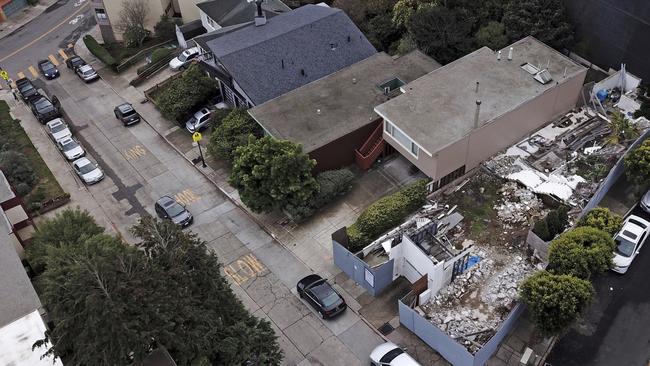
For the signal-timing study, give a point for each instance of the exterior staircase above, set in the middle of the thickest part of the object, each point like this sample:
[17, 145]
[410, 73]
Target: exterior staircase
[374, 146]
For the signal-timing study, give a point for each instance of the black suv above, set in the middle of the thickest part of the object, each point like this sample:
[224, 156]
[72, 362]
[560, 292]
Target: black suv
[321, 296]
[26, 89]
[125, 113]
[73, 62]
[167, 208]
[44, 109]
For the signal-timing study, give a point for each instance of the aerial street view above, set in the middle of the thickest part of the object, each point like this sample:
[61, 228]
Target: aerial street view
[335, 183]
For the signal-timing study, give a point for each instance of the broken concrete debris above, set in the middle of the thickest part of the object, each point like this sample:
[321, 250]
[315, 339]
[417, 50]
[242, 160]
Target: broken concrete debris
[518, 204]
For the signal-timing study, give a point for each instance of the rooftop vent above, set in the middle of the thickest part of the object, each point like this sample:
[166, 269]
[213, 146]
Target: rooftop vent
[390, 85]
[543, 76]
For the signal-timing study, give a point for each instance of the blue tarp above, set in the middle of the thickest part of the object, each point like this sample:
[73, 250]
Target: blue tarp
[471, 262]
[602, 95]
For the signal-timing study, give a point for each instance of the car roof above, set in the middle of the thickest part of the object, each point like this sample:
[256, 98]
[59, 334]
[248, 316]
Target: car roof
[85, 67]
[308, 280]
[192, 50]
[56, 121]
[165, 201]
[82, 161]
[202, 112]
[43, 62]
[634, 225]
[125, 107]
[401, 360]
[66, 139]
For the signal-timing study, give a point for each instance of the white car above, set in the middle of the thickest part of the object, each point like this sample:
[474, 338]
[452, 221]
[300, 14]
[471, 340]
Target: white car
[180, 62]
[629, 241]
[57, 129]
[645, 202]
[88, 171]
[86, 73]
[70, 148]
[389, 354]
[199, 120]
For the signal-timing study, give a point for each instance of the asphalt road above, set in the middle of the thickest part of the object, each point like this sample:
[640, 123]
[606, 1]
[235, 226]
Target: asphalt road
[616, 329]
[45, 36]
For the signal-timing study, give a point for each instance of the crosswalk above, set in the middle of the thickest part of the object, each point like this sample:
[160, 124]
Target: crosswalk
[31, 72]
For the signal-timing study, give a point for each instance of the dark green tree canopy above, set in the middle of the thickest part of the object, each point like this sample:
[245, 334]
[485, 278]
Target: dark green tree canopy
[581, 252]
[492, 35]
[441, 33]
[602, 218]
[233, 131]
[270, 174]
[545, 20]
[555, 301]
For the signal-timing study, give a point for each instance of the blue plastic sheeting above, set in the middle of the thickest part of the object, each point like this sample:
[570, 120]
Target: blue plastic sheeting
[602, 95]
[471, 262]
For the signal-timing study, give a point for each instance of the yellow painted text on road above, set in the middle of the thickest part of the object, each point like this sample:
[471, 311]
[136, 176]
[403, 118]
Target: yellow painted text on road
[64, 56]
[54, 60]
[135, 152]
[33, 71]
[186, 197]
[244, 268]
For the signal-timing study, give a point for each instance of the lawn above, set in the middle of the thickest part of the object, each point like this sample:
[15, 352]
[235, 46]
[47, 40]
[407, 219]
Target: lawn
[47, 189]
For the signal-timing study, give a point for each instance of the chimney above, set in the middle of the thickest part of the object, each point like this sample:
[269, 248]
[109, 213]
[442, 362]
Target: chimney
[476, 91]
[478, 110]
[260, 16]
[510, 53]
[499, 56]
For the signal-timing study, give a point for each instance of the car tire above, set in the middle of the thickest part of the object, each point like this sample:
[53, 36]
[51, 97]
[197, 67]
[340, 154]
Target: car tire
[182, 68]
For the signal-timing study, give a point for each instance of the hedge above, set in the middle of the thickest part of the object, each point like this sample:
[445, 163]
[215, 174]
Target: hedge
[385, 214]
[99, 51]
[332, 183]
[180, 96]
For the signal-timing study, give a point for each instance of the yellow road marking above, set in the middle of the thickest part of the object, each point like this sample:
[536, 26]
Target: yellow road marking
[64, 56]
[33, 71]
[135, 152]
[54, 60]
[70, 45]
[244, 268]
[186, 197]
[21, 75]
[81, 8]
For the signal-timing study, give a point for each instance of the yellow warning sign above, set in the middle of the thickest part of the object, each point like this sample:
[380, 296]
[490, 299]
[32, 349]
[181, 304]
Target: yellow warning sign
[4, 75]
[196, 136]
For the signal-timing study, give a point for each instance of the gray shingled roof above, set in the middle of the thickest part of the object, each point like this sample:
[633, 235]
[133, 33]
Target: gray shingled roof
[291, 50]
[18, 295]
[231, 12]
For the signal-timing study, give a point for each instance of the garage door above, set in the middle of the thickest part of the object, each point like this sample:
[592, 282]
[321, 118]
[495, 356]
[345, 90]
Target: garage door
[14, 7]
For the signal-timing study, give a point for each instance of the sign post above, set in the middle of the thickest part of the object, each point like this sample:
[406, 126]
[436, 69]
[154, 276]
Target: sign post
[196, 137]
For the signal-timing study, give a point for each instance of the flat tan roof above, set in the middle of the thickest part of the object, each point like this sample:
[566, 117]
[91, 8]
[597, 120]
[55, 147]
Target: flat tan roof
[439, 108]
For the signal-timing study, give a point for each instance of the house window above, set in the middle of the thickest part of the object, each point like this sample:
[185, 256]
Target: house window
[414, 149]
[388, 127]
[401, 137]
[434, 186]
[101, 14]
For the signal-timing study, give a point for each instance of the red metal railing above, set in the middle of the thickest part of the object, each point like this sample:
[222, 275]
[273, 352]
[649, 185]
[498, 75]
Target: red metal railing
[371, 149]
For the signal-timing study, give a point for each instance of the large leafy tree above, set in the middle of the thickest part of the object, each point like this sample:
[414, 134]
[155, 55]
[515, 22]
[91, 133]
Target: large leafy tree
[440, 32]
[211, 323]
[270, 173]
[637, 165]
[581, 252]
[182, 95]
[493, 35]
[70, 227]
[555, 301]
[602, 218]
[233, 131]
[546, 20]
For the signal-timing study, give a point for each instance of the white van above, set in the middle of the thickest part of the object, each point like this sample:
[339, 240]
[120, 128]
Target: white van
[389, 354]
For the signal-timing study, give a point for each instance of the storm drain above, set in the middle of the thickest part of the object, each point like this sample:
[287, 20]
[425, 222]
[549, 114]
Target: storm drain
[386, 329]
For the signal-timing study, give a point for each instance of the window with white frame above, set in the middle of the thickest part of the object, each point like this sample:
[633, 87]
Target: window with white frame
[401, 137]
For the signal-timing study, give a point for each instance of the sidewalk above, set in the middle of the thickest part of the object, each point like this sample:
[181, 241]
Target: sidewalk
[25, 16]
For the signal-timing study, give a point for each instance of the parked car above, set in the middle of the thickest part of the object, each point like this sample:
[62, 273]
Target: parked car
[74, 61]
[389, 354]
[26, 89]
[180, 62]
[167, 208]
[57, 129]
[321, 296]
[645, 202]
[86, 73]
[70, 148]
[199, 120]
[125, 113]
[47, 68]
[629, 241]
[44, 109]
[88, 171]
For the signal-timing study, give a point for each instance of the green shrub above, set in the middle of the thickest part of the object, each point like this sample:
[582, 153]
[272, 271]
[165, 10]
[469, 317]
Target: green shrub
[637, 165]
[581, 252]
[232, 133]
[159, 54]
[387, 213]
[332, 183]
[217, 117]
[99, 51]
[134, 36]
[602, 218]
[182, 95]
[553, 224]
[165, 28]
[541, 230]
[18, 170]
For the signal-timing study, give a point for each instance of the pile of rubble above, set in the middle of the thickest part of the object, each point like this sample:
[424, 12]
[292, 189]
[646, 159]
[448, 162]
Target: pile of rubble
[473, 306]
[518, 204]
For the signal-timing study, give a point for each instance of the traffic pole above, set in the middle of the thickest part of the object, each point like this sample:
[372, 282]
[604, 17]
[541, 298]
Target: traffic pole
[201, 153]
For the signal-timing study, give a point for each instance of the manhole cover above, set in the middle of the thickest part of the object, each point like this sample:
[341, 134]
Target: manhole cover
[386, 329]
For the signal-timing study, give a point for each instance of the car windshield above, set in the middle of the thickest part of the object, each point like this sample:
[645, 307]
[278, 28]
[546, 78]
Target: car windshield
[47, 67]
[192, 121]
[89, 72]
[85, 169]
[128, 112]
[77, 62]
[624, 247]
[174, 209]
[26, 87]
[183, 57]
[69, 145]
[58, 128]
[325, 294]
[44, 105]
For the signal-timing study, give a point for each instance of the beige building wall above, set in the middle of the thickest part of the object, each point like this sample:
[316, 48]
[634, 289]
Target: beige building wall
[189, 10]
[156, 10]
[497, 135]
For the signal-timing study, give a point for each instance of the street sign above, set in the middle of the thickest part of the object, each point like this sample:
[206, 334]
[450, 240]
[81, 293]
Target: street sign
[4, 75]
[196, 136]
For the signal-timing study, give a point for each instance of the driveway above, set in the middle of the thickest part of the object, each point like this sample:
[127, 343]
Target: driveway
[614, 330]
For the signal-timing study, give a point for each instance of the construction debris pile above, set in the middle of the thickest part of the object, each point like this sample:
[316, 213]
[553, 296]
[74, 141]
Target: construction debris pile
[472, 307]
[518, 204]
